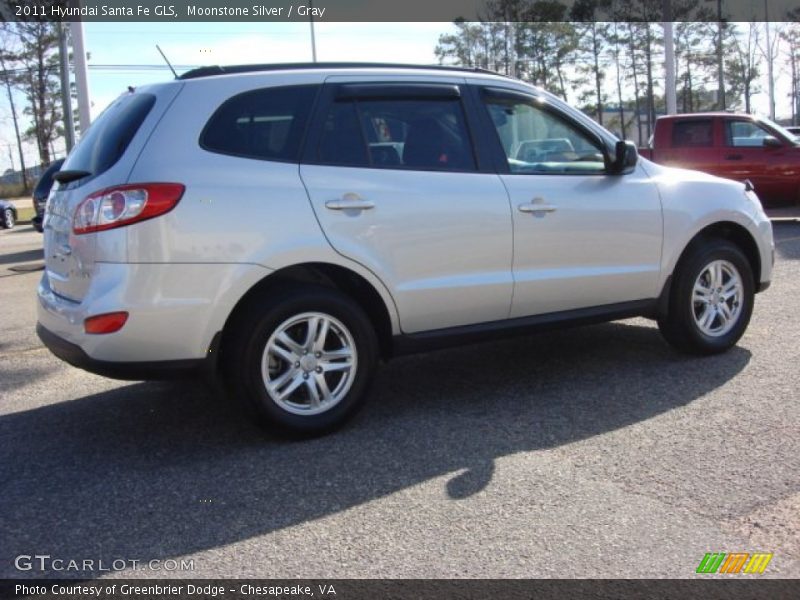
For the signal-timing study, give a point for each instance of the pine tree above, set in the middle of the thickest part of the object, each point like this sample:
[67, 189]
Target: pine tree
[37, 78]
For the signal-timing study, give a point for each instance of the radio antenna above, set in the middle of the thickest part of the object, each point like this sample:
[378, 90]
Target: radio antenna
[166, 60]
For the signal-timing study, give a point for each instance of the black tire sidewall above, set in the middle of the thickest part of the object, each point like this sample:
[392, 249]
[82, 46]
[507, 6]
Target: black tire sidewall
[682, 305]
[254, 339]
[8, 214]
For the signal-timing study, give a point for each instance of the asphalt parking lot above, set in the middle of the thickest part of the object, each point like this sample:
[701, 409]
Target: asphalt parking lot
[595, 452]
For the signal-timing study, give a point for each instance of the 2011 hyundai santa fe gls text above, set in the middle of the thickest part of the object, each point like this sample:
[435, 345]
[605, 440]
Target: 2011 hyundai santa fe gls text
[288, 226]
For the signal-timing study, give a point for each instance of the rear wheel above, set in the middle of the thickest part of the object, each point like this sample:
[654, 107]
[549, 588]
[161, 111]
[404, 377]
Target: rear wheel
[8, 219]
[302, 359]
[711, 300]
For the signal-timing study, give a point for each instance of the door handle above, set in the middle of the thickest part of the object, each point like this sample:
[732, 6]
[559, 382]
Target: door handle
[733, 157]
[350, 201]
[531, 207]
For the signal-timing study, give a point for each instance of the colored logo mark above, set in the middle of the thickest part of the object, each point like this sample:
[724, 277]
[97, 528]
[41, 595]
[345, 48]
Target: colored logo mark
[734, 562]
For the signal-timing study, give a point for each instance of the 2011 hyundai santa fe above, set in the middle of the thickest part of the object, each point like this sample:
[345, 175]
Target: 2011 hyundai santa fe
[290, 225]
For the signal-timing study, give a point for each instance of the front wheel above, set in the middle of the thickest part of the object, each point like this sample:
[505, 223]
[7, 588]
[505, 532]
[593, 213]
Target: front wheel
[711, 300]
[302, 359]
[8, 219]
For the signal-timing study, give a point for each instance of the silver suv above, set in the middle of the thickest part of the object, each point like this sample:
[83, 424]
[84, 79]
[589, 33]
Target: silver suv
[289, 225]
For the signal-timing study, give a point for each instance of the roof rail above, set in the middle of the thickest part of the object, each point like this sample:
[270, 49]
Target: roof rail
[210, 71]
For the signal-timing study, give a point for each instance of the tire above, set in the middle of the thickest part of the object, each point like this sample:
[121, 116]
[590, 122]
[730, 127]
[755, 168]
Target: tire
[8, 219]
[709, 321]
[282, 379]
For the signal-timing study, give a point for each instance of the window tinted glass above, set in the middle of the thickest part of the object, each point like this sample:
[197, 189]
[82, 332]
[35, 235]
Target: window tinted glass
[538, 141]
[266, 124]
[692, 134]
[108, 137]
[745, 134]
[342, 141]
[397, 134]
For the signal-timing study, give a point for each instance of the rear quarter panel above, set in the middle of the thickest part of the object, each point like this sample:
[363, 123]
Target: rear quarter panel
[234, 210]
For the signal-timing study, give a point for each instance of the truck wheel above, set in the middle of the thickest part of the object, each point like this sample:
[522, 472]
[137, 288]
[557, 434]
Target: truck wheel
[711, 299]
[302, 359]
[8, 219]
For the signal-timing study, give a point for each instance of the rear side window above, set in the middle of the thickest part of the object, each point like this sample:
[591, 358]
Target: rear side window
[266, 124]
[692, 134]
[108, 137]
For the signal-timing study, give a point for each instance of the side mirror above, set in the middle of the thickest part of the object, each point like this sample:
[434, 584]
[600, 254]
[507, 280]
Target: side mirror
[624, 159]
[770, 141]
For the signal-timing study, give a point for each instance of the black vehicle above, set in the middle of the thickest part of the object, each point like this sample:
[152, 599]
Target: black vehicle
[8, 215]
[42, 191]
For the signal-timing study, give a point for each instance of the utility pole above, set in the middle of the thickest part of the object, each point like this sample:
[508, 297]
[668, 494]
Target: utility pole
[81, 74]
[720, 69]
[669, 60]
[66, 96]
[770, 78]
[313, 37]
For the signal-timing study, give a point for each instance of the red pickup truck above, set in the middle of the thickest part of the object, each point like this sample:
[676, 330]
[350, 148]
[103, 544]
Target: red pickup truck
[735, 146]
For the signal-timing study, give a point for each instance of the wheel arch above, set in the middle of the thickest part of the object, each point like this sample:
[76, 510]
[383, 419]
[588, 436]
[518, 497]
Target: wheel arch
[726, 230]
[328, 275]
[735, 233]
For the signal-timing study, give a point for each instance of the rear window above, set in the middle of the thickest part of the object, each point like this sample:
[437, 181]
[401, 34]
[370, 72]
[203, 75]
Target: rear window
[266, 124]
[692, 134]
[108, 137]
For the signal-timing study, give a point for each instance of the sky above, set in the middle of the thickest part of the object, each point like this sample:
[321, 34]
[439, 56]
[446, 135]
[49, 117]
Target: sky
[120, 54]
[195, 44]
[125, 54]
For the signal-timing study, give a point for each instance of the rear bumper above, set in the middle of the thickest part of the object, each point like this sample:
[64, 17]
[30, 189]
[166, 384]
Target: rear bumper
[135, 371]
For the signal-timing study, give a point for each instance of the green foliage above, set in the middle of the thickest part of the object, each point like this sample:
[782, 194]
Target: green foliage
[34, 70]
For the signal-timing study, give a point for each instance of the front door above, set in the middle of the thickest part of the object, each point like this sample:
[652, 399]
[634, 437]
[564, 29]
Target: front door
[582, 238]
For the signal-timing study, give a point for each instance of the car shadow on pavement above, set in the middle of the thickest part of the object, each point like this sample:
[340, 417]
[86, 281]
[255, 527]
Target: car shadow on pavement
[160, 470]
[786, 234]
[20, 257]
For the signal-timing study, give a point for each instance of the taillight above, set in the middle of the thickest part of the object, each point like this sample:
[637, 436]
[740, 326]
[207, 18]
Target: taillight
[125, 204]
[107, 323]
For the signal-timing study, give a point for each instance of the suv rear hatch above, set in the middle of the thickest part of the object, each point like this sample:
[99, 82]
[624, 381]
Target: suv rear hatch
[103, 158]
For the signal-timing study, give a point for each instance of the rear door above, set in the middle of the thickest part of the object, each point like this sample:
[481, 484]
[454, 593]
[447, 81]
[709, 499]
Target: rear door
[397, 185]
[690, 144]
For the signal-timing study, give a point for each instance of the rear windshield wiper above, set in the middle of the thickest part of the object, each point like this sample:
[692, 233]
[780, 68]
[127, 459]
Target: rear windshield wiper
[67, 176]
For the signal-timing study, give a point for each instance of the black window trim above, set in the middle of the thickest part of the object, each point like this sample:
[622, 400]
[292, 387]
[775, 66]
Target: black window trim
[303, 135]
[486, 92]
[442, 91]
[397, 91]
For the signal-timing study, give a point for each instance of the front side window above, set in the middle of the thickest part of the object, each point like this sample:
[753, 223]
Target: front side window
[536, 140]
[428, 134]
[745, 134]
[266, 124]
